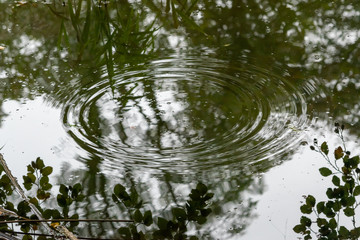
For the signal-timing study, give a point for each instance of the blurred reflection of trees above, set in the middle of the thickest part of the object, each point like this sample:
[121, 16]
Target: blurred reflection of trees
[232, 205]
[49, 48]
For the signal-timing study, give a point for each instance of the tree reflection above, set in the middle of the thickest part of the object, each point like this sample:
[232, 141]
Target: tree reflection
[233, 205]
[55, 50]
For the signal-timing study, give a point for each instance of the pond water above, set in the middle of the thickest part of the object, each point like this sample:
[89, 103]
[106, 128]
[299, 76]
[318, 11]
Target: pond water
[226, 92]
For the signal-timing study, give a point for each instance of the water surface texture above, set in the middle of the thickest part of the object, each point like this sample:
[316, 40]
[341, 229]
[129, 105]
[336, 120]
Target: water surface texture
[162, 94]
[184, 113]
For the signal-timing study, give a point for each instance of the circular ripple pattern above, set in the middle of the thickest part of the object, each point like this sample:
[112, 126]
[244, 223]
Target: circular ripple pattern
[180, 114]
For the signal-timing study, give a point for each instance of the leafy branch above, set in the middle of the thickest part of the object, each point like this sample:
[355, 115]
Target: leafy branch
[342, 200]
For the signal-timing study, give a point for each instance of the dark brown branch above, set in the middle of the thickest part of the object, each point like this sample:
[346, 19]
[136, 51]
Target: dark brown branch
[65, 220]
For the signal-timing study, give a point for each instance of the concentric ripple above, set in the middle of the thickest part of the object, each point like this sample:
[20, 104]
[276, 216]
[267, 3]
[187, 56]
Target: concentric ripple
[182, 113]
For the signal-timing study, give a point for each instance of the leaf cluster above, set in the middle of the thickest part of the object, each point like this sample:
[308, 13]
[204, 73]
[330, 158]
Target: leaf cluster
[195, 210]
[342, 196]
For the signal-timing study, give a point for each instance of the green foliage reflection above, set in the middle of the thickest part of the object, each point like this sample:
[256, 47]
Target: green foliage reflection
[63, 209]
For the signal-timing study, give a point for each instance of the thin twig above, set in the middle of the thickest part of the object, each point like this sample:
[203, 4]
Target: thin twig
[65, 220]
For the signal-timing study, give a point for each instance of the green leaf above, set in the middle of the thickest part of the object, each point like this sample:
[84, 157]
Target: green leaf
[336, 180]
[200, 219]
[138, 217]
[148, 220]
[349, 212]
[61, 200]
[125, 232]
[338, 153]
[321, 222]
[205, 212]
[195, 194]
[179, 213]
[46, 171]
[39, 163]
[63, 190]
[202, 188]
[324, 148]
[344, 232]
[325, 171]
[320, 207]
[44, 180]
[305, 221]
[332, 223]
[162, 223]
[300, 228]
[208, 196]
[30, 169]
[31, 177]
[311, 201]
[356, 191]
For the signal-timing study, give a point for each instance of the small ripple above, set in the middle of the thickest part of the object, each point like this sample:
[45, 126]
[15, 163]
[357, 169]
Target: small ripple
[187, 113]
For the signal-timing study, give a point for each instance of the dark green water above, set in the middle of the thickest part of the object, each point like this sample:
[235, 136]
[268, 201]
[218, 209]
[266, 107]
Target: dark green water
[138, 93]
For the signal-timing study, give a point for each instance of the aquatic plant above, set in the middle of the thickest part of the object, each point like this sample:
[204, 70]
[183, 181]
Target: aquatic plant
[38, 208]
[343, 196]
